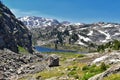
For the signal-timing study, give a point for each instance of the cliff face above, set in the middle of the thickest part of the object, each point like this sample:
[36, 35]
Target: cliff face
[13, 32]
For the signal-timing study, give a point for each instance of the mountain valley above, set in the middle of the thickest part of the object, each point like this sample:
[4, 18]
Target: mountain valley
[19, 60]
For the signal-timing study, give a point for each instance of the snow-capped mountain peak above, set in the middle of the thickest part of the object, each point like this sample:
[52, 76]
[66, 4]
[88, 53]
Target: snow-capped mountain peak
[97, 33]
[37, 22]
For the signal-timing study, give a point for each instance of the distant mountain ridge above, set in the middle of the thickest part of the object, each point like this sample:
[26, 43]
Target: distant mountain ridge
[97, 33]
[38, 22]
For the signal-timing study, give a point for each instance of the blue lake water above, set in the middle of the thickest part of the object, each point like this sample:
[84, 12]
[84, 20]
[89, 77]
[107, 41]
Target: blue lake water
[44, 49]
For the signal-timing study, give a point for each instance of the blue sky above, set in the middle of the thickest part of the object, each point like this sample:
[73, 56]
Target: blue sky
[86, 11]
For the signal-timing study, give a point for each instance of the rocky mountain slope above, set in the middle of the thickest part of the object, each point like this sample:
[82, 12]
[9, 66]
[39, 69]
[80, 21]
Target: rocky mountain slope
[111, 58]
[13, 33]
[38, 22]
[66, 32]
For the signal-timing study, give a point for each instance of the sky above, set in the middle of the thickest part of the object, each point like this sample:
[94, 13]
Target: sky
[85, 11]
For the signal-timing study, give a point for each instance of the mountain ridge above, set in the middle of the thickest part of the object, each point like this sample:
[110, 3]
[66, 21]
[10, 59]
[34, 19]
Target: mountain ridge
[97, 33]
[38, 22]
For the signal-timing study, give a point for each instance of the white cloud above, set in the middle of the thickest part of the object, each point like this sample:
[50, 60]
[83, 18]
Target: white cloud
[20, 13]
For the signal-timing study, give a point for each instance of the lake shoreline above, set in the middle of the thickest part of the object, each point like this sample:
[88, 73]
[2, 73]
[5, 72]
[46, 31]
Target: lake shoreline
[46, 49]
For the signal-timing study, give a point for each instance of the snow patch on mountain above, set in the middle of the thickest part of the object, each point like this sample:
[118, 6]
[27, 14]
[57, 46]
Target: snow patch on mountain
[106, 34]
[80, 43]
[84, 38]
[89, 34]
[108, 25]
[78, 24]
[116, 34]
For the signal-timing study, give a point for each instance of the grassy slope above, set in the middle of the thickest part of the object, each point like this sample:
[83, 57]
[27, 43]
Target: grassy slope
[22, 50]
[113, 77]
[70, 66]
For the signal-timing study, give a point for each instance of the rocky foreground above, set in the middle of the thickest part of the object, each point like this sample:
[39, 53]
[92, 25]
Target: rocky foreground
[112, 59]
[13, 65]
[80, 67]
[72, 66]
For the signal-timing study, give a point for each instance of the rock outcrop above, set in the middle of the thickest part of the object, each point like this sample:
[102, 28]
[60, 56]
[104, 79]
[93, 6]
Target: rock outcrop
[13, 65]
[13, 32]
[110, 58]
[53, 60]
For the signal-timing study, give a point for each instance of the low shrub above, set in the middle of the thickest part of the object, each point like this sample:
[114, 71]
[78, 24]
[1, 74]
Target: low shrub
[71, 73]
[85, 68]
[87, 76]
[103, 66]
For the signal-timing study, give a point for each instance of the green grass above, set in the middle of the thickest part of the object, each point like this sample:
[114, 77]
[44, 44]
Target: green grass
[66, 55]
[65, 67]
[22, 50]
[60, 70]
[113, 77]
[50, 73]
[90, 71]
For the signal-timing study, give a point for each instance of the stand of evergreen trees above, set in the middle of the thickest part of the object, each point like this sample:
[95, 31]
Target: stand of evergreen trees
[112, 45]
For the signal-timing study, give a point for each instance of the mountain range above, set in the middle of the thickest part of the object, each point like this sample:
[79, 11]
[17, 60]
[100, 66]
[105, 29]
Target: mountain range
[76, 33]
[40, 22]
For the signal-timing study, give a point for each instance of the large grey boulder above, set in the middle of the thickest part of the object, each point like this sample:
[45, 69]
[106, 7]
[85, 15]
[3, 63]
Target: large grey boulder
[53, 60]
